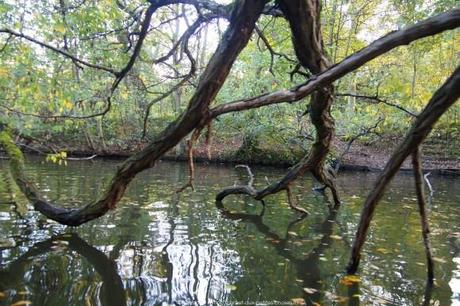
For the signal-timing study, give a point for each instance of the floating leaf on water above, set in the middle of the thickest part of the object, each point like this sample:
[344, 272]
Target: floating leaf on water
[354, 196]
[349, 280]
[439, 259]
[293, 233]
[22, 303]
[7, 243]
[323, 258]
[336, 298]
[383, 251]
[23, 292]
[298, 301]
[420, 263]
[281, 264]
[310, 290]
[336, 237]
[230, 287]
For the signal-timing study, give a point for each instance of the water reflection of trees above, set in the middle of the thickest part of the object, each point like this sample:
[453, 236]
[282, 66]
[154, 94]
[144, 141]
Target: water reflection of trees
[307, 266]
[50, 278]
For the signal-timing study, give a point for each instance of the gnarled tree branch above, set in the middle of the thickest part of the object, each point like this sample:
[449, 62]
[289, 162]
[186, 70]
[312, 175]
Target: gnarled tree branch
[242, 22]
[443, 98]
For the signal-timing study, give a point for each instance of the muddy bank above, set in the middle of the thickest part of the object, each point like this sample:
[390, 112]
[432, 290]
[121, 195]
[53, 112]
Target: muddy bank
[360, 157]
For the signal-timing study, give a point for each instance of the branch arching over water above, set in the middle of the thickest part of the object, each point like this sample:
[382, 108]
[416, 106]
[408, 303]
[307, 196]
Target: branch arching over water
[310, 162]
[443, 98]
[241, 26]
[242, 22]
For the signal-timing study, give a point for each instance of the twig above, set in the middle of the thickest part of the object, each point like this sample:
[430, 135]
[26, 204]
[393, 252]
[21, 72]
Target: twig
[423, 213]
[375, 99]
[364, 132]
[430, 187]
[57, 50]
[82, 158]
[250, 174]
[190, 143]
[293, 203]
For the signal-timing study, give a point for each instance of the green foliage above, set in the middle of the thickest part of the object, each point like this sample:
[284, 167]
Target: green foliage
[57, 158]
[41, 90]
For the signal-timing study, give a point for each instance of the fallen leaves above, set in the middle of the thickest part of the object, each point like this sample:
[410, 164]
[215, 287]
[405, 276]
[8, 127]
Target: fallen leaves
[336, 237]
[310, 290]
[230, 287]
[439, 259]
[22, 303]
[298, 301]
[350, 280]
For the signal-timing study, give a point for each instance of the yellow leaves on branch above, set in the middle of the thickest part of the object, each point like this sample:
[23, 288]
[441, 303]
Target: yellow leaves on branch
[57, 158]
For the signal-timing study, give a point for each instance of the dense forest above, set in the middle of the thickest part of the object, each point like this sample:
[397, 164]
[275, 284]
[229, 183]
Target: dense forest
[300, 82]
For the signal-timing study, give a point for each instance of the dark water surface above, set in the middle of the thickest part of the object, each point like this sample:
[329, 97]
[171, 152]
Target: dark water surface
[160, 249]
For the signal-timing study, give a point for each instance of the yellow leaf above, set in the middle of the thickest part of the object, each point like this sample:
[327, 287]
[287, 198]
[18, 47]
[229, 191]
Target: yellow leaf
[22, 303]
[298, 301]
[3, 71]
[439, 259]
[230, 287]
[310, 290]
[349, 280]
[383, 251]
[60, 28]
[68, 105]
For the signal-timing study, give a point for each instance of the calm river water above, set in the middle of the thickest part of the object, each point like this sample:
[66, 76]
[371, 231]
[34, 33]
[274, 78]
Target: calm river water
[158, 248]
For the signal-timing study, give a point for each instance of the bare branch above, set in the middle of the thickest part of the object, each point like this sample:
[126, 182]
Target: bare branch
[363, 132]
[375, 99]
[272, 52]
[137, 49]
[443, 98]
[428, 27]
[57, 50]
[418, 174]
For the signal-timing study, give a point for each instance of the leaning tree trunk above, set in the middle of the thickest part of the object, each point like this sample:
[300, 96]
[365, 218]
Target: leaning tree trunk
[444, 98]
[304, 20]
[242, 22]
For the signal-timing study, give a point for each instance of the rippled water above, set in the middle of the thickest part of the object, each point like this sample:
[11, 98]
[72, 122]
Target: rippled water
[158, 248]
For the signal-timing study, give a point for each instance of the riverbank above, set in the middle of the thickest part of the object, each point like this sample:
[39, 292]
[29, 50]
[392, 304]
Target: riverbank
[358, 157]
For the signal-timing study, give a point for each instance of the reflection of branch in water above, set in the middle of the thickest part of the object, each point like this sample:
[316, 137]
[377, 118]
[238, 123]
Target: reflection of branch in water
[112, 291]
[308, 268]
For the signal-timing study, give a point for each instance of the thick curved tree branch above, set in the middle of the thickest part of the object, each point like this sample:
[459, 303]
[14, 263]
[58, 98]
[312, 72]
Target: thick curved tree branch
[137, 49]
[428, 27]
[443, 98]
[244, 15]
[308, 45]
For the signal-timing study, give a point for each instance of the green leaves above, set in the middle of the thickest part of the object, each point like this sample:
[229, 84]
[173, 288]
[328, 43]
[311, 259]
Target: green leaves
[57, 158]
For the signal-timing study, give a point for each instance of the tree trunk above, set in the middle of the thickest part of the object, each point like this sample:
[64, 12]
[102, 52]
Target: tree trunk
[438, 105]
[242, 22]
